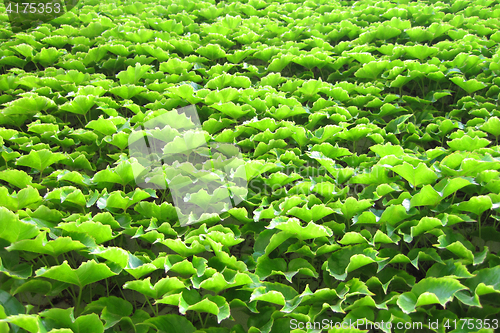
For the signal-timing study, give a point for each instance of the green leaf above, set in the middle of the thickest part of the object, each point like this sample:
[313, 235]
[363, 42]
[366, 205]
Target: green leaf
[12, 229]
[467, 143]
[24, 49]
[175, 66]
[239, 55]
[228, 80]
[41, 245]
[31, 323]
[80, 104]
[275, 293]
[17, 178]
[485, 281]
[308, 61]
[280, 62]
[88, 272]
[395, 214]
[476, 205]
[117, 200]
[187, 92]
[292, 226]
[88, 324]
[114, 310]
[28, 105]
[388, 149]
[317, 212]
[330, 151]
[39, 128]
[104, 126]
[116, 255]
[362, 57]
[67, 194]
[99, 232]
[352, 207]
[232, 110]
[284, 112]
[10, 305]
[162, 287]
[123, 174]
[407, 301]
[356, 133]
[352, 238]
[416, 176]
[387, 32]
[219, 281]
[14, 269]
[449, 186]
[47, 57]
[492, 126]
[449, 268]
[211, 51]
[426, 197]
[371, 70]
[348, 259]
[311, 87]
[35, 286]
[424, 225]
[457, 246]
[127, 91]
[216, 305]
[443, 290]
[137, 268]
[470, 86]
[133, 74]
[420, 51]
[170, 324]
[180, 247]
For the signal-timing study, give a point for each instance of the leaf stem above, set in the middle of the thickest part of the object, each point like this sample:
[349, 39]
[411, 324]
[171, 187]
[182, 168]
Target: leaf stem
[421, 84]
[143, 305]
[201, 320]
[40, 176]
[71, 291]
[50, 302]
[479, 223]
[44, 260]
[81, 123]
[78, 301]
[151, 306]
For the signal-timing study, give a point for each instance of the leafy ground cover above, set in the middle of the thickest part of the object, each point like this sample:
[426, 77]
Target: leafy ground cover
[370, 133]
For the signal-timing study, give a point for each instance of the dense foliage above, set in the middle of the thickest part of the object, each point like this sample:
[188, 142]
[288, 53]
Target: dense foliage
[370, 134]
